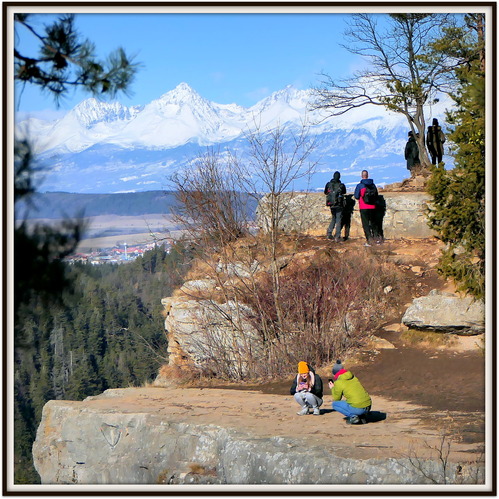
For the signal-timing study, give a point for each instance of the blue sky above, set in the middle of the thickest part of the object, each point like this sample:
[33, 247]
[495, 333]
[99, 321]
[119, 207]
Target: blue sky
[240, 58]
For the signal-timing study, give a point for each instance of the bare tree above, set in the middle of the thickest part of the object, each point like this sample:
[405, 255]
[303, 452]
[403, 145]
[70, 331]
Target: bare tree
[277, 159]
[405, 74]
[213, 197]
[210, 207]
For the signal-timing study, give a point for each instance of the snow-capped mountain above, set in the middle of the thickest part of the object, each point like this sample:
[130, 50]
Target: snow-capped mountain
[108, 147]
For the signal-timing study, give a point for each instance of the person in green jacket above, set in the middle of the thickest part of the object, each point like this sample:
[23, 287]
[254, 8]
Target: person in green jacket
[357, 401]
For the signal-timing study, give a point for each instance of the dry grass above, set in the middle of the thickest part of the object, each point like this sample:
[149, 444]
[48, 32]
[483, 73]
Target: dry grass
[169, 375]
[427, 338]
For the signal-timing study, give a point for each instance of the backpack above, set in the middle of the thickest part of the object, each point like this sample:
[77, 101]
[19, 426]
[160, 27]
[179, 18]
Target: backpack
[370, 194]
[335, 195]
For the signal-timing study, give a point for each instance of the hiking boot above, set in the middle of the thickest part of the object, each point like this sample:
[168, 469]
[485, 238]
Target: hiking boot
[329, 236]
[303, 411]
[367, 244]
[353, 420]
[317, 411]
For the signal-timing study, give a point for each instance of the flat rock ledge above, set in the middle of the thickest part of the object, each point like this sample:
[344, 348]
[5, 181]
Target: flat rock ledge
[444, 312]
[112, 439]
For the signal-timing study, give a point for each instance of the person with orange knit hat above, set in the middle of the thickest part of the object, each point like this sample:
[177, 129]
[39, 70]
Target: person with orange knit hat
[307, 390]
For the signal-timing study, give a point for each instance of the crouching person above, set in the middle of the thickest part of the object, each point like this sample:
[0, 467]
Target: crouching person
[307, 390]
[357, 401]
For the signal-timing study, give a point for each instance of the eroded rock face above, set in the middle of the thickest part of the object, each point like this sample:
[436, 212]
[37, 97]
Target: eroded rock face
[99, 441]
[202, 330]
[446, 313]
[405, 214]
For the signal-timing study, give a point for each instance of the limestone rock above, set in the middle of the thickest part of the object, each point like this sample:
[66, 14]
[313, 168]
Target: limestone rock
[238, 269]
[198, 285]
[395, 327]
[405, 214]
[447, 313]
[201, 331]
[382, 344]
[94, 443]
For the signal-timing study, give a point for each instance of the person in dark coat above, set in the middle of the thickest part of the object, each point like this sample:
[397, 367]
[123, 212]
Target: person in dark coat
[346, 216]
[411, 152]
[336, 203]
[435, 139]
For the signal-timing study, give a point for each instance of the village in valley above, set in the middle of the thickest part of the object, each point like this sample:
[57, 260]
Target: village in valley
[118, 254]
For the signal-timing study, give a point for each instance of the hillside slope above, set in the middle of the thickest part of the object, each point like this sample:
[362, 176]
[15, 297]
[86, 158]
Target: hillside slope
[428, 405]
[442, 373]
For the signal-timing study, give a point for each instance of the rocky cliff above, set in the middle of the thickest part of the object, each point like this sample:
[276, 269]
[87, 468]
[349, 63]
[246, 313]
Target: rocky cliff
[404, 214]
[160, 436]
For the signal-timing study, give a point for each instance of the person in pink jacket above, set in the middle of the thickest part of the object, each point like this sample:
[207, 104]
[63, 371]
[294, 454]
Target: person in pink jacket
[367, 194]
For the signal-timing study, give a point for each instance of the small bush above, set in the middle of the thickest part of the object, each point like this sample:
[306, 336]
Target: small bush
[329, 307]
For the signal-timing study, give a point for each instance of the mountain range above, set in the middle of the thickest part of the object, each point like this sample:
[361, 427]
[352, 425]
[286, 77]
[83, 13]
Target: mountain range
[106, 147]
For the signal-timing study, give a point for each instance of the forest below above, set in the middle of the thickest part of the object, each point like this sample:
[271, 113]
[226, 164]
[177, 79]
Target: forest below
[107, 333]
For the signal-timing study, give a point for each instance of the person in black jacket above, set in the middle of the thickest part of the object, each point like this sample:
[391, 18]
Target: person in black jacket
[307, 390]
[335, 198]
[435, 139]
[411, 152]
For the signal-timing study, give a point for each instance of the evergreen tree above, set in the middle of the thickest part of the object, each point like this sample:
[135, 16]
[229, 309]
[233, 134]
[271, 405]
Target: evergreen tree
[65, 60]
[458, 211]
[108, 333]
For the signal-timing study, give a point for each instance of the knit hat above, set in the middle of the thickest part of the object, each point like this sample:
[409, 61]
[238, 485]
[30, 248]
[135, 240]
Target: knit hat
[303, 368]
[336, 176]
[337, 367]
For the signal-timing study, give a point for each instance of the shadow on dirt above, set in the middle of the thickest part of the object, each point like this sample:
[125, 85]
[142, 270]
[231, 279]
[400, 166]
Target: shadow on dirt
[372, 416]
[375, 416]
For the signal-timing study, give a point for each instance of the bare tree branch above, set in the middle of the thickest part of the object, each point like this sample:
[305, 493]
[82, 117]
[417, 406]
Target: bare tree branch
[404, 73]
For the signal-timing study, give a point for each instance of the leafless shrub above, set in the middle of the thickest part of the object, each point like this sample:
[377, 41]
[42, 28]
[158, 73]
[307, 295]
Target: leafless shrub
[329, 306]
[438, 469]
[211, 208]
[278, 157]
[169, 375]
[327, 309]
[472, 472]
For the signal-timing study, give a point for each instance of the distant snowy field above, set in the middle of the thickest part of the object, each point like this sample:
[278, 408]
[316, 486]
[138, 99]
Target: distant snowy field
[101, 147]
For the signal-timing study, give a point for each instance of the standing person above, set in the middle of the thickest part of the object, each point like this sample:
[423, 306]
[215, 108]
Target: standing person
[357, 401]
[335, 198]
[435, 139]
[307, 389]
[411, 152]
[367, 194]
[346, 216]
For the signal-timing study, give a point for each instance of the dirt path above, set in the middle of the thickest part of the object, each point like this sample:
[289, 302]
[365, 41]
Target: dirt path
[395, 429]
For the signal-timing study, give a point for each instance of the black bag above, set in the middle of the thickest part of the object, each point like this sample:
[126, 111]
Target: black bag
[370, 194]
[335, 195]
